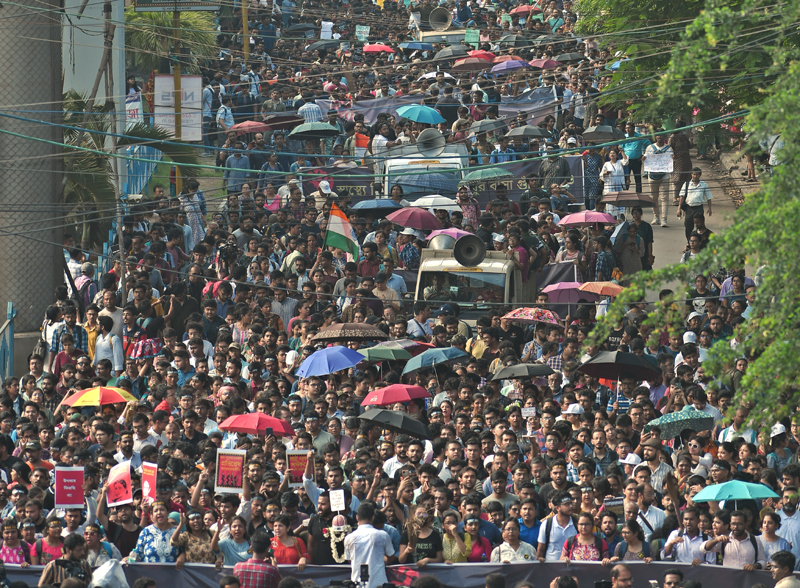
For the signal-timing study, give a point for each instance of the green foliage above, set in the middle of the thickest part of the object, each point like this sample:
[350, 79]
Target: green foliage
[765, 231]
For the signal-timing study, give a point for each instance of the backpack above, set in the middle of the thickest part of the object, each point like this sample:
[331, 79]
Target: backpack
[549, 527]
[107, 546]
[623, 547]
[674, 555]
[755, 550]
[572, 541]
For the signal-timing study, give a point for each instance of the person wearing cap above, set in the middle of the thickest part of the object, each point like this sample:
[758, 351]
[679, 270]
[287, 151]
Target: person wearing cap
[385, 294]
[85, 284]
[323, 194]
[651, 453]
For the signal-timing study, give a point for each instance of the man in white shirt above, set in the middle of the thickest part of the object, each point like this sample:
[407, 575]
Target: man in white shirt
[684, 545]
[736, 429]
[651, 518]
[368, 546]
[739, 549]
[108, 346]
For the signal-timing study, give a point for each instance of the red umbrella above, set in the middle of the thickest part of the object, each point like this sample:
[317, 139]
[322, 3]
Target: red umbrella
[416, 218]
[525, 9]
[378, 48]
[481, 54]
[256, 423]
[503, 58]
[395, 393]
[251, 126]
[471, 64]
[543, 63]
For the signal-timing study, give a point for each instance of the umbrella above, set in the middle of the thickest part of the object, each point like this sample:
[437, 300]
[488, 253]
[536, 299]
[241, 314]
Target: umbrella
[514, 40]
[524, 9]
[673, 423]
[257, 423]
[611, 364]
[432, 74]
[526, 132]
[410, 345]
[471, 64]
[283, 122]
[378, 48]
[547, 39]
[481, 54]
[436, 202]
[441, 183]
[99, 396]
[569, 57]
[384, 354]
[523, 370]
[396, 421]
[329, 360]
[416, 46]
[602, 288]
[615, 66]
[416, 218]
[508, 66]
[602, 133]
[378, 204]
[488, 173]
[568, 293]
[146, 348]
[504, 58]
[733, 490]
[452, 232]
[395, 393]
[324, 45]
[628, 199]
[533, 315]
[421, 114]
[453, 52]
[487, 125]
[543, 63]
[251, 126]
[313, 130]
[586, 218]
[433, 357]
[341, 332]
[303, 26]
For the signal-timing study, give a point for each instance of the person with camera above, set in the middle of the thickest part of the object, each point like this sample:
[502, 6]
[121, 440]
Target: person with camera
[72, 564]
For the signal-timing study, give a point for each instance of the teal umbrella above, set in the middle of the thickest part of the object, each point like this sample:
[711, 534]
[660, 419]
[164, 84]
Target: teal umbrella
[384, 354]
[488, 173]
[421, 114]
[432, 357]
[734, 490]
[673, 423]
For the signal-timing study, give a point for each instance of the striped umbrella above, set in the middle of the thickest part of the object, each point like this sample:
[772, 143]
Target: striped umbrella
[99, 396]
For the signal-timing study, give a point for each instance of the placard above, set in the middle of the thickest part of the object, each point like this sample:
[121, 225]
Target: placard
[659, 163]
[230, 471]
[362, 32]
[133, 110]
[69, 488]
[505, 18]
[326, 30]
[337, 500]
[119, 485]
[149, 476]
[472, 37]
[528, 411]
[296, 461]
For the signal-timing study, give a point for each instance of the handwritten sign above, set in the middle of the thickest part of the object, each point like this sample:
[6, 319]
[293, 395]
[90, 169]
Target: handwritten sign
[296, 461]
[528, 411]
[149, 475]
[230, 471]
[69, 488]
[119, 485]
[337, 500]
[659, 163]
[362, 32]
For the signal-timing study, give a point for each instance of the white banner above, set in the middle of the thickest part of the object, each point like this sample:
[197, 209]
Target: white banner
[362, 33]
[191, 106]
[658, 163]
[133, 109]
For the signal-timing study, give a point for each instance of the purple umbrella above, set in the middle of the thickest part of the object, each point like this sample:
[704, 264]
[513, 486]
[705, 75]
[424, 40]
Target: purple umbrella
[453, 232]
[508, 66]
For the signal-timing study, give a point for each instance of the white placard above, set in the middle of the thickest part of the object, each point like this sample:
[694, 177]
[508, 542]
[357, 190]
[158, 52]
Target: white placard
[528, 411]
[191, 106]
[362, 32]
[659, 163]
[337, 500]
[326, 31]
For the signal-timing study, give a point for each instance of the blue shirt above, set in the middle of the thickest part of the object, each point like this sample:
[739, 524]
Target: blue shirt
[529, 534]
[634, 149]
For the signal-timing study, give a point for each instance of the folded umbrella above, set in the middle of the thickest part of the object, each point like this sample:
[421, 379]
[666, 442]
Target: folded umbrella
[612, 364]
[329, 360]
[396, 421]
[433, 357]
[523, 370]
[674, 423]
[395, 393]
[416, 218]
[256, 423]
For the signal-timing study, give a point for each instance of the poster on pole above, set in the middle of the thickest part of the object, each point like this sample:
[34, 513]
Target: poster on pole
[133, 109]
[230, 471]
[119, 485]
[296, 461]
[659, 163]
[191, 106]
[472, 37]
[362, 33]
[69, 488]
[337, 500]
[149, 476]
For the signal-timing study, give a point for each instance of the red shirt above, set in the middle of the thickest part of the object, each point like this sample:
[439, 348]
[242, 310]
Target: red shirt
[254, 573]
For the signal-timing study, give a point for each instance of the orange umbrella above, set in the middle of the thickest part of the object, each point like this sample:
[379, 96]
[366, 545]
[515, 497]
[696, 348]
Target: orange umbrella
[602, 288]
[99, 396]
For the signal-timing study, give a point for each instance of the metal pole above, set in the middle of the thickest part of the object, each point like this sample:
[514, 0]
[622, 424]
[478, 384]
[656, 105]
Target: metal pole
[176, 30]
[245, 33]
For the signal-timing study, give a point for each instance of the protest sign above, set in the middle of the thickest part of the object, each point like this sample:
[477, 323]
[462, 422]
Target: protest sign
[528, 411]
[119, 485]
[149, 475]
[337, 500]
[362, 32]
[659, 163]
[230, 471]
[69, 488]
[296, 461]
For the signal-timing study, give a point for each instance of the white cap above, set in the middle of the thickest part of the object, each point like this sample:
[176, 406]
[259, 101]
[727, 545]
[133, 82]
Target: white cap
[408, 231]
[325, 186]
[572, 140]
[631, 459]
[498, 237]
[776, 430]
[487, 461]
[689, 337]
[693, 315]
[573, 409]
[291, 356]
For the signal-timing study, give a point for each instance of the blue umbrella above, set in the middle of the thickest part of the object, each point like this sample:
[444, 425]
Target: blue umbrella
[417, 46]
[432, 357]
[421, 114]
[386, 204]
[428, 183]
[329, 360]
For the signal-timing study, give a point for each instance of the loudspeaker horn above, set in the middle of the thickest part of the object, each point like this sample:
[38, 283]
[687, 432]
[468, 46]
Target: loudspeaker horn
[440, 19]
[442, 242]
[431, 142]
[470, 250]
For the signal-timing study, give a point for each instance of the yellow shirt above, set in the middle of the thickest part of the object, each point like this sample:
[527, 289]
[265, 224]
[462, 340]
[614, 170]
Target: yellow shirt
[91, 336]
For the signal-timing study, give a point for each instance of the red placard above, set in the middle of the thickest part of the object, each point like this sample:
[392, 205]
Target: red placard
[149, 474]
[296, 461]
[69, 488]
[230, 471]
[119, 485]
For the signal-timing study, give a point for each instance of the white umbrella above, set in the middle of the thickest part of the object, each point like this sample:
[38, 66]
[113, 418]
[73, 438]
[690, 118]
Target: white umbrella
[433, 74]
[436, 201]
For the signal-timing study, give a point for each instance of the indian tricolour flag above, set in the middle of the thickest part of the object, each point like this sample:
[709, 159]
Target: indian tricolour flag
[340, 234]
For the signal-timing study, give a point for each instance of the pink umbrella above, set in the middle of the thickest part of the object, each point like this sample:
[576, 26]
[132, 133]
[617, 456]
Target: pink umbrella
[416, 218]
[395, 393]
[452, 232]
[587, 218]
[504, 58]
[378, 48]
[543, 63]
[568, 293]
[480, 54]
[533, 315]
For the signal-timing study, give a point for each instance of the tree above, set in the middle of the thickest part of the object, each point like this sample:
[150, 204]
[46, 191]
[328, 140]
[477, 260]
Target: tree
[765, 231]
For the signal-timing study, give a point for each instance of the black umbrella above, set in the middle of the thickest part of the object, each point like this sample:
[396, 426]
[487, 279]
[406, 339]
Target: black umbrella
[486, 125]
[305, 26]
[526, 132]
[452, 52]
[523, 370]
[602, 133]
[611, 364]
[324, 45]
[396, 421]
[514, 40]
[547, 39]
[569, 57]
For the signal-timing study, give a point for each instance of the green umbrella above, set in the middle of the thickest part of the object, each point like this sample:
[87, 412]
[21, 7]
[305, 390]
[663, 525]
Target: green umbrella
[488, 173]
[734, 490]
[313, 130]
[673, 423]
[384, 354]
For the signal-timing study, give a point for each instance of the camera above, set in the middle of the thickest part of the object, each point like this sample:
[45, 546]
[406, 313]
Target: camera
[227, 251]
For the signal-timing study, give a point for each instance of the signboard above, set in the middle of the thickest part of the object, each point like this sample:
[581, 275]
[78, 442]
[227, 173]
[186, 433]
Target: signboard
[69, 488]
[191, 106]
[175, 5]
[133, 109]
[362, 32]
[326, 30]
[149, 475]
[230, 471]
[659, 163]
[337, 501]
[296, 461]
[119, 485]
[472, 37]
[528, 411]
